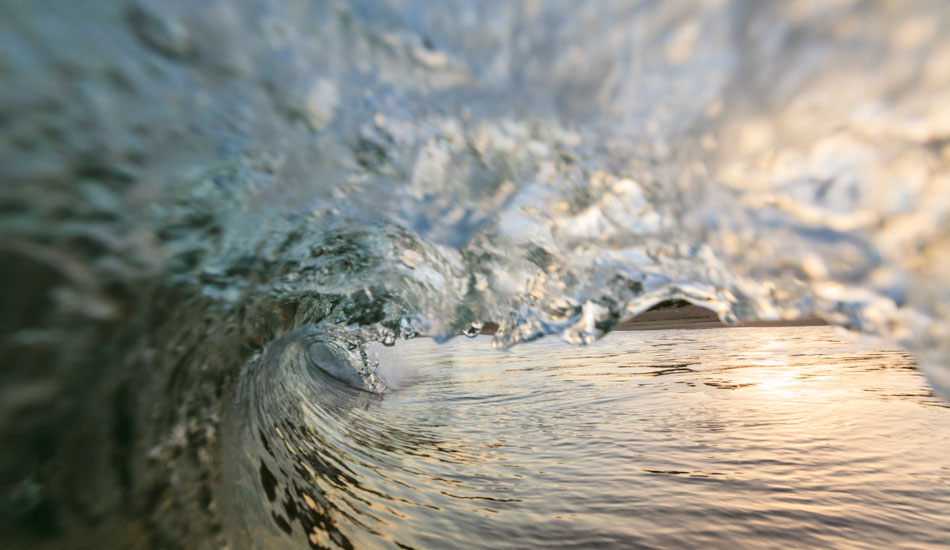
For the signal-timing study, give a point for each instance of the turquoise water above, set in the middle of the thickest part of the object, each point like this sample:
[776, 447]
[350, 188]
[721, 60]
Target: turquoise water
[728, 438]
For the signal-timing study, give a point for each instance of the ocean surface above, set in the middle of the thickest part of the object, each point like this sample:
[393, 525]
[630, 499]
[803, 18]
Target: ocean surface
[723, 438]
[214, 214]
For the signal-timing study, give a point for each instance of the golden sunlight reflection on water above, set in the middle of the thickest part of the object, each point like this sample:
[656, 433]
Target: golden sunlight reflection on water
[745, 437]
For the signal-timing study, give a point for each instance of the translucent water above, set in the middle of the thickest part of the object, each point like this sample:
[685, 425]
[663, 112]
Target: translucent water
[192, 189]
[549, 166]
[740, 438]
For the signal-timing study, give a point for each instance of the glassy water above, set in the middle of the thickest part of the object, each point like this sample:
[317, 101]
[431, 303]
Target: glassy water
[201, 201]
[747, 437]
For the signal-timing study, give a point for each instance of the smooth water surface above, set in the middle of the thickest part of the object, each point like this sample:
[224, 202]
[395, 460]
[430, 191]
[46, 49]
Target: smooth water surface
[738, 438]
[202, 193]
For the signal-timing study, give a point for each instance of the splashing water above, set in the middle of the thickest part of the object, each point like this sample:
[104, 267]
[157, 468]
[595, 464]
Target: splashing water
[186, 182]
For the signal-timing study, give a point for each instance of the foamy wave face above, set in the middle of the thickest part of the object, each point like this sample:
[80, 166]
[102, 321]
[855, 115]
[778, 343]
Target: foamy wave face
[421, 167]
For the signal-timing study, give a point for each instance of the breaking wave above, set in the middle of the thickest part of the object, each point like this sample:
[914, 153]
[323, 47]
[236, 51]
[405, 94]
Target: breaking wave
[186, 182]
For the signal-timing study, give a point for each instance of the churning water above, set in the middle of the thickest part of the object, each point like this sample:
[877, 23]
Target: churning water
[201, 201]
